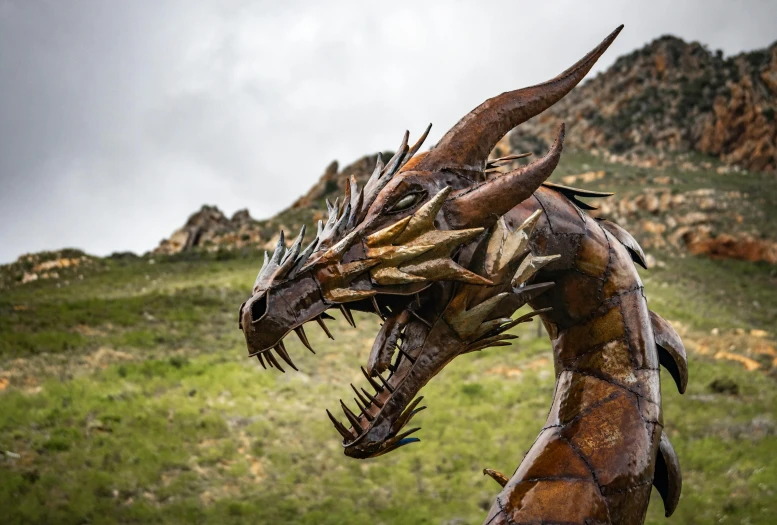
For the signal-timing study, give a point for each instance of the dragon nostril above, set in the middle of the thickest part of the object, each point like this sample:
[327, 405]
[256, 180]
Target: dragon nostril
[259, 308]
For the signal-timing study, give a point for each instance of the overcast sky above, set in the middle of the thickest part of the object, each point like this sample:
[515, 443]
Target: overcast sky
[118, 119]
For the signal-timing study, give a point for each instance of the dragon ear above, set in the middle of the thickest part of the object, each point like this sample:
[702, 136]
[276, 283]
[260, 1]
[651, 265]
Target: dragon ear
[482, 205]
[468, 143]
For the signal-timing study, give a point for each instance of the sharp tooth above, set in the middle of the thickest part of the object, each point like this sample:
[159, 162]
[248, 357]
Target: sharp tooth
[304, 338]
[347, 314]
[361, 397]
[359, 404]
[405, 354]
[386, 384]
[372, 398]
[373, 383]
[340, 427]
[366, 414]
[377, 308]
[351, 417]
[320, 322]
[261, 361]
[274, 362]
[285, 355]
[326, 316]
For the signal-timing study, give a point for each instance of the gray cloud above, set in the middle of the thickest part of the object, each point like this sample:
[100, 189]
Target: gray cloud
[118, 119]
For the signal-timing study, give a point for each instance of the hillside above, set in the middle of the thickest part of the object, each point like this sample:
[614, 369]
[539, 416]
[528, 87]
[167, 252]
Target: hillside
[671, 96]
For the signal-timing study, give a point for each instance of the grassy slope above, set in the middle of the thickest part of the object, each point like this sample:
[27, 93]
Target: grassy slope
[128, 398]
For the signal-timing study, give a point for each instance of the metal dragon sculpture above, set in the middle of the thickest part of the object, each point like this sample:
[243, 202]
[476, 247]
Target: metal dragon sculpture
[445, 247]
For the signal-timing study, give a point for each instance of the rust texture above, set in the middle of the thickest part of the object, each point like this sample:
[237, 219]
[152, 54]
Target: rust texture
[445, 247]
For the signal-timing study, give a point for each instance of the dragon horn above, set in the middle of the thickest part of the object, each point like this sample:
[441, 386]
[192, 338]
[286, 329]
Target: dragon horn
[468, 144]
[482, 205]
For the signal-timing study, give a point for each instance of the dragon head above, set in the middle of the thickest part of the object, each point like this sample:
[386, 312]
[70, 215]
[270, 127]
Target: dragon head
[424, 245]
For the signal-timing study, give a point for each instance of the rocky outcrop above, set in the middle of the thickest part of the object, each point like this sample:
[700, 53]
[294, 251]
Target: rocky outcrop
[211, 230]
[209, 227]
[670, 96]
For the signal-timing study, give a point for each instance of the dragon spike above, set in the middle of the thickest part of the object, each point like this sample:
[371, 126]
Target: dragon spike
[300, 331]
[529, 266]
[304, 256]
[375, 401]
[274, 362]
[281, 350]
[321, 323]
[466, 322]
[342, 222]
[340, 427]
[378, 169]
[423, 219]
[468, 143]
[346, 202]
[414, 149]
[374, 384]
[336, 252]
[387, 234]
[261, 361]
[319, 228]
[363, 400]
[347, 314]
[504, 246]
[485, 203]
[356, 209]
[393, 164]
[260, 275]
[353, 418]
[290, 258]
[279, 249]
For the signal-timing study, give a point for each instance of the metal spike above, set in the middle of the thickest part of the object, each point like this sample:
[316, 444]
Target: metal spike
[374, 384]
[326, 316]
[304, 256]
[339, 426]
[393, 164]
[359, 404]
[274, 362]
[377, 308]
[347, 314]
[261, 361]
[407, 356]
[372, 398]
[361, 397]
[320, 322]
[351, 416]
[367, 415]
[413, 150]
[279, 249]
[285, 355]
[378, 167]
[304, 338]
[385, 383]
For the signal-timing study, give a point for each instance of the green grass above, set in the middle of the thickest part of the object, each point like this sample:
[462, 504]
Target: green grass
[186, 429]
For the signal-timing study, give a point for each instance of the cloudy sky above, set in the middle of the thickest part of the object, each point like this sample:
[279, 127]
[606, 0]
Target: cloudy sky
[120, 118]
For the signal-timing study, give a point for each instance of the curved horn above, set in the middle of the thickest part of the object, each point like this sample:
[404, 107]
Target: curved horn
[468, 144]
[482, 205]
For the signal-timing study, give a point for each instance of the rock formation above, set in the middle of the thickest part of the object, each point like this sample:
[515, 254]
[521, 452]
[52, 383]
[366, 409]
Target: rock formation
[671, 96]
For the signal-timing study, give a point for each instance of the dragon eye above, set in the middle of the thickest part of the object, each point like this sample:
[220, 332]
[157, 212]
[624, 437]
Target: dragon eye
[406, 202]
